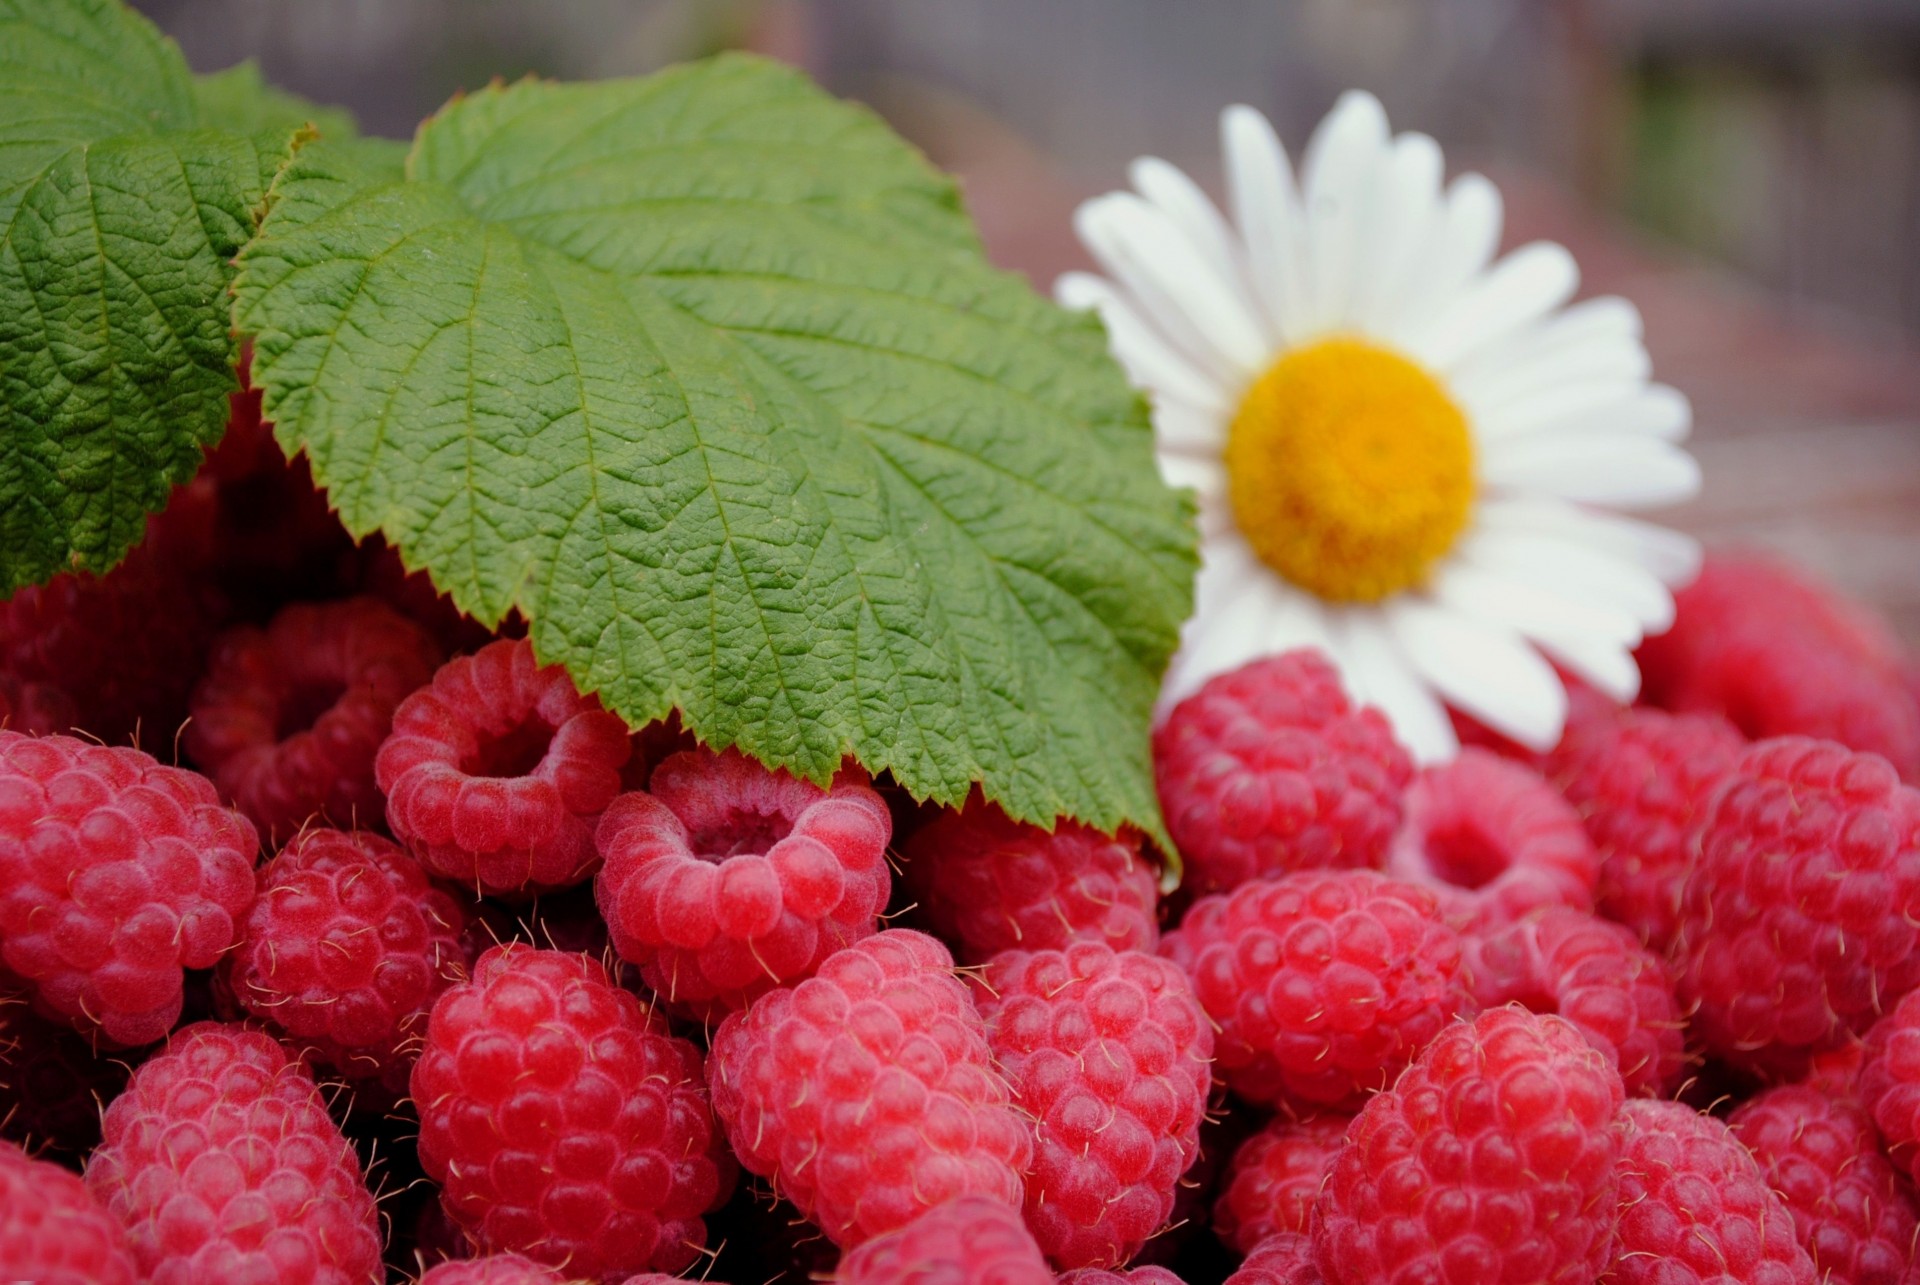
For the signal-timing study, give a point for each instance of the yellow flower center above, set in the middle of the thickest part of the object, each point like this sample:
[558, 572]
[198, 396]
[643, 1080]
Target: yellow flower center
[1350, 470]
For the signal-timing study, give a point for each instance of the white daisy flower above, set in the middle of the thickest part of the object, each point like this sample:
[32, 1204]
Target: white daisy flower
[1403, 449]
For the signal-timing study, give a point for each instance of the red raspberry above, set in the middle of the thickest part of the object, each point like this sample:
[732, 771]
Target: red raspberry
[1640, 787]
[221, 1164]
[1494, 841]
[1104, 1276]
[1491, 1159]
[1285, 1258]
[115, 874]
[562, 1120]
[988, 883]
[1889, 1082]
[1783, 656]
[867, 1093]
[1323, 984]
[1694, 1207]
[1598, 976]
[52, 1232]
[729, 879]
[1851, 1211]
[497, 1269]
[1801, 917]
[1269, 769]
[1274, 1178]
[1108, 1051]
[344, 950]
[52, 1084]
[1589, 712]
[497, 772]
[969, 1240]
[289, 717]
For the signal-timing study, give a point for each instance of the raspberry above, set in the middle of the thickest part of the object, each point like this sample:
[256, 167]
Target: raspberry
[1102, 1276]
[344, 950]
[1491, 1159]
[1108, 1051]
[969, 1240]
[1851, 1211]
[1274, 1178]
[988, 883]
[867, 1093]
[115, 874]
[729, 879]
[1494, 840]
[1323, 984]
[289, 717]
[1801, 916]
[1285, 1258]
[1889, 1082]
[221, 1164]
[1598, 976]
[497, 772]
[1269, 769]
[1695, 1208]
[1589, 712]
[1782, 656]
[52, 1085]
[52, 1231]
[1640, 787]
[498, 1269]
[562, 1120]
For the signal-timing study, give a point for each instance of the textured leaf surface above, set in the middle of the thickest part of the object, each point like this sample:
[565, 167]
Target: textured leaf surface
[707, 375]
[126, 188]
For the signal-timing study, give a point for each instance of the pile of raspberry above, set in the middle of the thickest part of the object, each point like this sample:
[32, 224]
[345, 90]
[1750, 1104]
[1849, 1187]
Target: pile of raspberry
[344, 939]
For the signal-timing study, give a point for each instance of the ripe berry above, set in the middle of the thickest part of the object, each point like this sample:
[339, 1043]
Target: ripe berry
[1800, 920]
[52, 1232]
[1285, 1258]
[1694, 1207]
[969, 1240]
[1108, 1051]
[727, 879]
[497, 772]
[1324, 984]
[496, 1269]
[115, 874]
[221, 1164]
[1889, 1082]
[988, 883]
[345, 949]
[288, 718]
[1494, 841]
[1491, 1159]
[562, 1121]
[1104, 1276]
[1274, 1178]
[1851, 1212]
[868, 1093]
[1270, 769]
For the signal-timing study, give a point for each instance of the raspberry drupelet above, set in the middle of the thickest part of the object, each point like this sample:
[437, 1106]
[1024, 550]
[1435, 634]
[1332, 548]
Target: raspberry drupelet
[1889, 1082]
[1285, 1258]
[867, 1093]
[1411, 1199]
[563, 1122]
[116, 874]
[1324, 985]
[1800, 920]
[498, 771]
[222, 1165]
[1109, 1052]
[970, 1240]
[52, 1231]
[1274, 1178]
[1269, 769]
[289, 717]
[1106, 1276]
[344, 950]
[727, 878]
[987, 883]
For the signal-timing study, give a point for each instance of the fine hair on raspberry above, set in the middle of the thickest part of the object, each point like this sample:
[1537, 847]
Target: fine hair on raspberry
[726, 879]
[1274, 1178]
[52, 1230]
[497, 772]
[970, 1240]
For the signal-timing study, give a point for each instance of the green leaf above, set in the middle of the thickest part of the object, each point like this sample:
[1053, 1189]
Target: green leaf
[707, 375]
[126, 188]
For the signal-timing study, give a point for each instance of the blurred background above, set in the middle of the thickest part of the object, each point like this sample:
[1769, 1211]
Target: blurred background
[1747, 171]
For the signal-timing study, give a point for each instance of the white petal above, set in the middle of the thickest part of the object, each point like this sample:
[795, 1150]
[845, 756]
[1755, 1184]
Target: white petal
[1672, 557]
[1527, 284]
[1181, 200]
[1149, 254]
[1337, 173]
[1260, 186]
[1528, 609]
[1592, 468]
[1387, 681]
[1182, 429]
[1205, 476]
[1150, 361]
[1485, 670]
[1655, 411]
[1239, 601]
[1461, 245]
[1605, 665]
[1404, 207]
[1573, 567]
